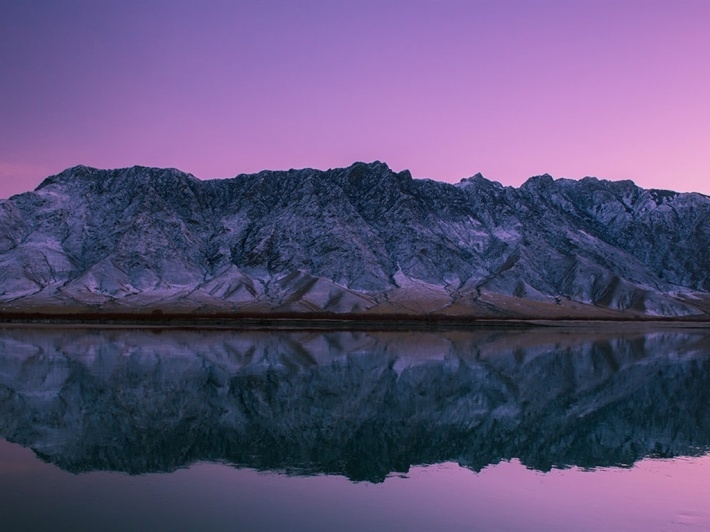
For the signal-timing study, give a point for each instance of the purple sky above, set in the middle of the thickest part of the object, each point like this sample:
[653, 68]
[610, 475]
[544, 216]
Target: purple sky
[617, 89]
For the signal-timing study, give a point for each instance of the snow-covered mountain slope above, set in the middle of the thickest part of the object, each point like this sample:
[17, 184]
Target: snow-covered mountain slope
[357, 239]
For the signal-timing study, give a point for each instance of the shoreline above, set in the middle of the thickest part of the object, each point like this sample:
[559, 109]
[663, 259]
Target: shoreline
[325, 322]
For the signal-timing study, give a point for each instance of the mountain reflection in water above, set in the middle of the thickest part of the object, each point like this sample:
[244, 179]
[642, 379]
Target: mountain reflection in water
[358, 404]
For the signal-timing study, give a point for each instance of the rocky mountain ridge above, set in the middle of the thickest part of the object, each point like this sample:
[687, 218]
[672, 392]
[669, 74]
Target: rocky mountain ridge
[362, 239]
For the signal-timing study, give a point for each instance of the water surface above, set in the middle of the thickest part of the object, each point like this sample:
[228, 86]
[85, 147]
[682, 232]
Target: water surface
[485, 430]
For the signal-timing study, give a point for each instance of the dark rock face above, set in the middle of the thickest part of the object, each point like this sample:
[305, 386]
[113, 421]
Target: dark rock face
[354, 404]
[358, 239]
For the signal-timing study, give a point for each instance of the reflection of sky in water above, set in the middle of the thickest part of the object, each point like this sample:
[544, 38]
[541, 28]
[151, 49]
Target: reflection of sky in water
[664, 495]
[367, 406]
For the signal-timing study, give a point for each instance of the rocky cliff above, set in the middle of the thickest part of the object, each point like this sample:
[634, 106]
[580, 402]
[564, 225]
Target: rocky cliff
[362, 239]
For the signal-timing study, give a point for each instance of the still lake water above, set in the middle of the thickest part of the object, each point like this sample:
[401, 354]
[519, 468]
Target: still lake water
[545, 429]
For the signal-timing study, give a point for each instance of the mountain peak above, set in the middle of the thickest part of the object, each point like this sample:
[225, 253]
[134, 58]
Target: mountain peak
[81, 174]
[478, 178]
[539, 181]
[373, 165]
[79, 171]
[374, 174]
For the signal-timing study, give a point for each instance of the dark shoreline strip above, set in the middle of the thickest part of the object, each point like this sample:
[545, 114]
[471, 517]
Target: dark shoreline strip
[325, 321]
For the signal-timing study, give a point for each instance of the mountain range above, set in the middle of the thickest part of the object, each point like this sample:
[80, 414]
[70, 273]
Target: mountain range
[357, 240]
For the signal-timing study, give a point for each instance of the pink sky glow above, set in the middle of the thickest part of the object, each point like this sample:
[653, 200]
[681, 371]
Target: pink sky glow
[614, 89]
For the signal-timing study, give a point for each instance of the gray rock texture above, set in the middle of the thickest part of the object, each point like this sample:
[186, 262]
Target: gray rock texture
[362, 239]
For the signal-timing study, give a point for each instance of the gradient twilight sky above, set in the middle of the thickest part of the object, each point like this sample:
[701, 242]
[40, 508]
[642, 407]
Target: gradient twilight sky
[615, 89]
